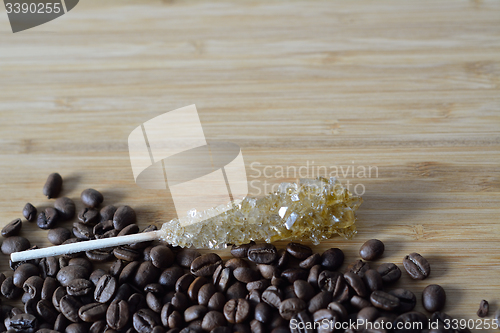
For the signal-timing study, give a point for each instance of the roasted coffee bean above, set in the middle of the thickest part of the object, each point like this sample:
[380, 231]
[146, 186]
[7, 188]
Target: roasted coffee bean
[268, 271]
[47, 219]
[416, 266]
[326, 320]
[154, 288]
[310, 261]
[46, 311]
[116, 268]
[59, 293]
[30, 212]
[91, 198]
[222, 278]
[356, 283]
[79, 328]
[332, 259]
[102, 227]
[129, 230]
[100, 255]
[262, 253]
[52, 186]
[263, 313]
[373, 280]
[83, 231]
[23, 322]
[180, 301]
[23, 272]
[293, 274]
[407, 299]
[484, 308]
[339, 309]
[372, 249]
[313, 276]
[96, 275]
[331, 281]
[123, 292]
[30, 306]
[410, 322]
[216, 302]
[258, 285]
[234, 263]
[154, 302]
[433, 298]
[283, 259]
[272, 296]
[146, 273]
[368, 314]
[69, 306]
[288, 292]
[185, 257]
[319, 301]
[124, 216]
[65, 208]
[169, 276]
[79, 287]
[385, 301]
[84, 262]
[205, 265]
[15, 244]
[236, 290]
[107, 213]
[212, 320]
[33, 286]
[105, 288]
[135, 302]
[194, 312]
[390, 272]
[125, 253]
[128, 272]
[241, 251]
[89, 215]
[246, 274]
[302, 319]
[358, 267]
[92, 312]
[183, 283]
[205, 293]
[69, 273]
[12, 228]
[166, 311]
[299, 251]
[59, 235]
[359, 302]
[161, 256]
[48, 266]
[117, 314]
[48, 288]
[237, 310]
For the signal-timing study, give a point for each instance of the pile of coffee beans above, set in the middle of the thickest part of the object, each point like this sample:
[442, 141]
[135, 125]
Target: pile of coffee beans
[153, 287]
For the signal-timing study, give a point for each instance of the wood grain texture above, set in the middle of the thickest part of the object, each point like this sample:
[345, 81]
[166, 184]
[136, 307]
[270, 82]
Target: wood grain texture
[411, 88]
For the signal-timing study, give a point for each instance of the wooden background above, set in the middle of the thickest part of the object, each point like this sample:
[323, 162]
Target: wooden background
[411, 88]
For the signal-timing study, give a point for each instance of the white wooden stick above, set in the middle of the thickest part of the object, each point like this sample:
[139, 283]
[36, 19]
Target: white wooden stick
[84, 246]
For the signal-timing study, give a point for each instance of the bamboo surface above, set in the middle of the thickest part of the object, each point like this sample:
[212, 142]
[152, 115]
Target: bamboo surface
[407, 90]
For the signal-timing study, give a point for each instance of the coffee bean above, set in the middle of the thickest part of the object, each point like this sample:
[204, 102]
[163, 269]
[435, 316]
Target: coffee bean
[283, 259]
[385, 301]
[102, 227]
[124, 216]
[79, 287]
[216, 302]
[47, 219]
[310, 261]
[356, 283]
[29, 212]
[246, 274]
[91, 198]
[313, 276]
[129, 230]
[212, 320]
[237, 290]
[12, 228]
[180, 301]
[15, 244]
[410, 322]
[373, 280]
[484, 308]
[185, 257]
[161, 256]
[268, 271]
[23, 272]
[293, 274]
[326, 320]
[194, 312]
[241, 251]
[433, 298]
[116, 268]
[48, 288]
[23, 322]
[123, 292]
[194, 288]
[205, 293]
[89, 215]
[96, 275]
[107, 213]
[33, 286]
[105, 288]
[234, 263]
[302, 319]
[59, 235]
[100, 255]
[299, 251]
[262, 253]
[332, 259]
[117, 314]
[52, 186]
[125, 253]
[69, 306]
[368, 314]
[319, 301]
[372, 249]
[237, 310]
[339, 309]
[79, 328]
[83, 231]
[272, 296]
[359, 302]
[407, 299]
[146, 273]
[331, 281]
[48, 266]
[169, 276]
[69, 273]
[390, 272]
[65, 208]
[205, 265]
[9, 289]
[57, 296]
[416, 266]
[92, 312]
[259, 285]
[358, 267]
[46, 311]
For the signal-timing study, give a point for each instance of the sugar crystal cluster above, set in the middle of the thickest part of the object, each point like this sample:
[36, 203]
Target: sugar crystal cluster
[313, 210]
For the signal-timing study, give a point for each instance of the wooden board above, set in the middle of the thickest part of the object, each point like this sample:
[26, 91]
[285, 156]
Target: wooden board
[411, 89]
